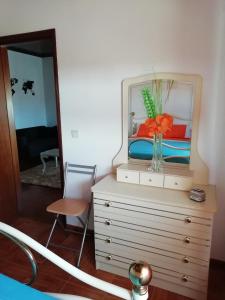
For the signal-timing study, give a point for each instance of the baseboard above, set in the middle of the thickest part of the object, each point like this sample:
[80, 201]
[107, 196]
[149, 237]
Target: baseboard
[217, 263]
[79, 229]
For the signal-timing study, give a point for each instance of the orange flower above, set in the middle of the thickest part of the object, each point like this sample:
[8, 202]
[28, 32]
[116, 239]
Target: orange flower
[151, 126]
[160, 124]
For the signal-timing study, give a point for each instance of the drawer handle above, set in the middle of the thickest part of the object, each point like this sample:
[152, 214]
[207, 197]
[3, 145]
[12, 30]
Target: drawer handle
[188, 220]
[187, 240]
[126, 176]
[185, 278]
[150, 180]
[108, 222]
[108, 240]
[108, 204]
[186, 260]
[109, 257]
[175, 183]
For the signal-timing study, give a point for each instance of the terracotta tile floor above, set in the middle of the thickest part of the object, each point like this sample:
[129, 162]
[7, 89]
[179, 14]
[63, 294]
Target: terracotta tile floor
[50, 278]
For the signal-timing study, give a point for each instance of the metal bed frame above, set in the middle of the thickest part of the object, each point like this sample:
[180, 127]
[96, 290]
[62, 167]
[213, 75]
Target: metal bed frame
[140, 273]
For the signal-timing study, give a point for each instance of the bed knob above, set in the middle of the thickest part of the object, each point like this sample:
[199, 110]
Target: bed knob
[140, 274]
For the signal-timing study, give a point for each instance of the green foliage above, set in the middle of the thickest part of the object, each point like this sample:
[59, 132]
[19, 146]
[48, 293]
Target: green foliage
[153, 98]
[157, 87]
[149, 103]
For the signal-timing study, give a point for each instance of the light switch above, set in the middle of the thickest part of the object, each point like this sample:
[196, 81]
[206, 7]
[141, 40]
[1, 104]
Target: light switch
[74, 133]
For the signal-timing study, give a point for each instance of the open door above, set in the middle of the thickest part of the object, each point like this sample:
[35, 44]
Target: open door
[13, 194]
[9, 188]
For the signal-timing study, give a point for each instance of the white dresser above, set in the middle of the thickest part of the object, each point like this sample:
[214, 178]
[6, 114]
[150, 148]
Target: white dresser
[161, 226]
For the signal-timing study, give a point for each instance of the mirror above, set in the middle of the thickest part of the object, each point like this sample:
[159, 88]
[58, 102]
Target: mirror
[176, 100]
[181, 98]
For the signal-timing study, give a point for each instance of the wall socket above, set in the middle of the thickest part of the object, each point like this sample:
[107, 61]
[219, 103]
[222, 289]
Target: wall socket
[74, 133]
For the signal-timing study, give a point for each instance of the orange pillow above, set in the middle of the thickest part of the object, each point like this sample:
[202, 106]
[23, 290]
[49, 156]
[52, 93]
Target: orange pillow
[178, 131]
[143, 131]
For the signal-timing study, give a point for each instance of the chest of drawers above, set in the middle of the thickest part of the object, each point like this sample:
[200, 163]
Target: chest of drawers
[161, 226]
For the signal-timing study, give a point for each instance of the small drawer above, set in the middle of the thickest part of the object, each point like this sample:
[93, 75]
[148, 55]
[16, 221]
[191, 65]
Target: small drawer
[127, 176]
[151, 179]
[178, 182]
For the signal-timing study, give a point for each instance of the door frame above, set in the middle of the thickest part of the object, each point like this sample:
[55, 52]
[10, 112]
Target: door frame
[20, 38]
[8, 196]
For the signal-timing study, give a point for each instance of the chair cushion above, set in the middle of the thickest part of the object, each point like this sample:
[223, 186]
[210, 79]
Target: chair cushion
[68, 207]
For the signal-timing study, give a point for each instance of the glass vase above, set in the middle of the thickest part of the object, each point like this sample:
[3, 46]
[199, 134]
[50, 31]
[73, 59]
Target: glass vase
[157, 158]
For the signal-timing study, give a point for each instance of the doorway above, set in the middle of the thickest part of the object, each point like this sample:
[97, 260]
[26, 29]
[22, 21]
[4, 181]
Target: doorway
[35, 120]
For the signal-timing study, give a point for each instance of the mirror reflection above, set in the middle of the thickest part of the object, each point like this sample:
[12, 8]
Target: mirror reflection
[176, 100]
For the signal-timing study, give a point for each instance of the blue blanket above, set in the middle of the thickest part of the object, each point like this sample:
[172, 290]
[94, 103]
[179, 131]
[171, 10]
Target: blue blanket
[11, 289]
[142, 149]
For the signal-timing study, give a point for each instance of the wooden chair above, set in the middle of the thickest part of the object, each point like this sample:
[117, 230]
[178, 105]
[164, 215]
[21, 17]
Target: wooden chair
[72, 206]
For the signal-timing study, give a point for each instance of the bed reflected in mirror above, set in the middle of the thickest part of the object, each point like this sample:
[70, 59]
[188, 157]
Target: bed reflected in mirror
[176, 99]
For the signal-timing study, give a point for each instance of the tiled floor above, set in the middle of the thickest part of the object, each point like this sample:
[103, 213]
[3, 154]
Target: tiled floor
[34, 200]
[50, 278]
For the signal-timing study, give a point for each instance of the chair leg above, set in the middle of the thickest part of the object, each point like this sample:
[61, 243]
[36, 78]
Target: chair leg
[83, 239]
[52, 229]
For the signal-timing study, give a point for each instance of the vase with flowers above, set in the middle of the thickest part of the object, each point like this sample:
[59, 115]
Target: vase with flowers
[157, 123]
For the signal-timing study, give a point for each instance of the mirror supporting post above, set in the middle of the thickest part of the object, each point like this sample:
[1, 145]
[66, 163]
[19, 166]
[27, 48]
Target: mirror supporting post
[140, 274]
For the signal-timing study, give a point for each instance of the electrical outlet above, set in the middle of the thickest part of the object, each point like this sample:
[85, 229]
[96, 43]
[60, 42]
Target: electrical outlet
[74, 133]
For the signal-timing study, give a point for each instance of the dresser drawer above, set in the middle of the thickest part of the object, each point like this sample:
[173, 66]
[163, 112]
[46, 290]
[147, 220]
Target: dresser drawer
[108, 206]
[128, 176]
[179, 278]
[162, 259]
[154, 205]
[198, 292]
[151, 179]
[147, 225]
[178, 182]
[185, 245]
[185, 226]
[158, 248]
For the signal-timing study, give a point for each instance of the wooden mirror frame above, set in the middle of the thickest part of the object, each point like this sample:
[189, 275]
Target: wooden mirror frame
[199, 168]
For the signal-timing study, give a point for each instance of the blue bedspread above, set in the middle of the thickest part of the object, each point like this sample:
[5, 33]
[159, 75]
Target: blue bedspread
[142, 149]
[11, 289]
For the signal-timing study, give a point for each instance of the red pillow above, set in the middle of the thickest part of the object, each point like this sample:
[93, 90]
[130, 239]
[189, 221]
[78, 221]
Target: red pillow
[178, 131]
[143, 131]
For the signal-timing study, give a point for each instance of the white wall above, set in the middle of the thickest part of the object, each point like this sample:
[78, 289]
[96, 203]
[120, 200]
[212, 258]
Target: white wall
[39, 109]
[29, 110]
[49, 91]
[101, 42]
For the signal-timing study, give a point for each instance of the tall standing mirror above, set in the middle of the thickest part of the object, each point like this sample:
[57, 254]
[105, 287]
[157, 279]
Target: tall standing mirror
[180, 96]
